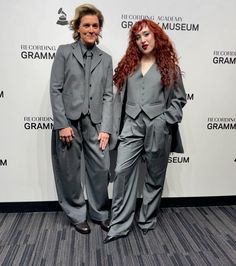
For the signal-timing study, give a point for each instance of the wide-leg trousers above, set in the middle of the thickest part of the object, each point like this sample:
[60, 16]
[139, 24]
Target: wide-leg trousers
[139, 137]
[66, 160]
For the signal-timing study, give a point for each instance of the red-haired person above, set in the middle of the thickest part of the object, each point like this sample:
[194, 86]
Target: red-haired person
[150, 95]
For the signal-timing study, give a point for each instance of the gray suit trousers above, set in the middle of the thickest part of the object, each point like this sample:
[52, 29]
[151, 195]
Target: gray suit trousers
[66, 160]
[139, 137]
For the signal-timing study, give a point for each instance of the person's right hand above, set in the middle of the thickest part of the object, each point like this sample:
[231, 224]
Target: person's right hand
[66, 134]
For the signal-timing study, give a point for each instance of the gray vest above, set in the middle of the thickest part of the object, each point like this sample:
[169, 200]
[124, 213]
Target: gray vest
[145, 93]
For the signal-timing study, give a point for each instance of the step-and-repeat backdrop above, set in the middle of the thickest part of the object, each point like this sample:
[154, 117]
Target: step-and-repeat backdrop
[204, 35]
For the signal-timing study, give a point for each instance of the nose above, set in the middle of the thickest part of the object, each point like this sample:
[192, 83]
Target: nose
[143, 39]
[91, 29]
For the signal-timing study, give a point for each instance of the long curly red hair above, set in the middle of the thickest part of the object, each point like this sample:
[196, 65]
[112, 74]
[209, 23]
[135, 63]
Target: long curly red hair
[166, 57]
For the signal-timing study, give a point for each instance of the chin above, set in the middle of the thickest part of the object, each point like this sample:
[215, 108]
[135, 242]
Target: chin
[91, 41]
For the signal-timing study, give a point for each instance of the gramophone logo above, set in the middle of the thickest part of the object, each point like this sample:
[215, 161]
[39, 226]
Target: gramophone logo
[62, 20]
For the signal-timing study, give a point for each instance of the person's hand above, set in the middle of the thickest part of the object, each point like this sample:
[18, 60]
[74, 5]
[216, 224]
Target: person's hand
[66, 134]
[103, 138]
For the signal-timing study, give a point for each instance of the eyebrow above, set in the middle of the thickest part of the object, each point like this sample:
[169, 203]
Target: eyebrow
[145, 31]
[87, 23]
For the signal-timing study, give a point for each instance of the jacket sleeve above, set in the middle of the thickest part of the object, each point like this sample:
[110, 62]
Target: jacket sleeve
[176, 101]
[118, 115]
[56, 88]
[107, 118]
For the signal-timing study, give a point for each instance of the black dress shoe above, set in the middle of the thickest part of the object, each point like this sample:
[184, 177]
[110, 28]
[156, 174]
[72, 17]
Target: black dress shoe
[112, 238]
[105, 225]
[82, 228]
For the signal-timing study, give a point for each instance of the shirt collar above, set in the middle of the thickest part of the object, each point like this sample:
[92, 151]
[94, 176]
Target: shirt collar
[84, 48]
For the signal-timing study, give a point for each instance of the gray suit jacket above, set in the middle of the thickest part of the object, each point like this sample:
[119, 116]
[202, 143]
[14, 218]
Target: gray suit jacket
[175, 99]
[67, 87]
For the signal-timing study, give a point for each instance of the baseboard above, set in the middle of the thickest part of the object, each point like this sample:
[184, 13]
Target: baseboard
[50, 206]
[34, 206]
[198, 201]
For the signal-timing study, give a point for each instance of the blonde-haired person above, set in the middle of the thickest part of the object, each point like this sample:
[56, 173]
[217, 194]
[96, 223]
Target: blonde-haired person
[81, 99]
[80, 12]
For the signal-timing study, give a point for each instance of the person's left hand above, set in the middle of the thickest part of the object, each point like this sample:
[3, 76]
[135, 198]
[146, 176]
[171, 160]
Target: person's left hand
[103, 138]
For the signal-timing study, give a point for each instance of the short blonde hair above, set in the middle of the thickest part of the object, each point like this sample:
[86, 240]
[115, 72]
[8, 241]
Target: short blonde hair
[81, 11]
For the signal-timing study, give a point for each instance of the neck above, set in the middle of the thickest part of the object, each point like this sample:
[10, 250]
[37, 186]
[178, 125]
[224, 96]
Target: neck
[87, 46]
[148, 58]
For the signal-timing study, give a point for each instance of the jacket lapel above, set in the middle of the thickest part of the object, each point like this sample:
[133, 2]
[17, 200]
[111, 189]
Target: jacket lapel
[97, 57]
[77, 53]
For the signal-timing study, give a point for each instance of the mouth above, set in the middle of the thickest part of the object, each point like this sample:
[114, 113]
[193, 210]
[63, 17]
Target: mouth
[91, 35]
[145, 46]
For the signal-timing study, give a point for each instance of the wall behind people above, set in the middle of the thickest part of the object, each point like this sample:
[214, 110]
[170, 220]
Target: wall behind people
[204, 35]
